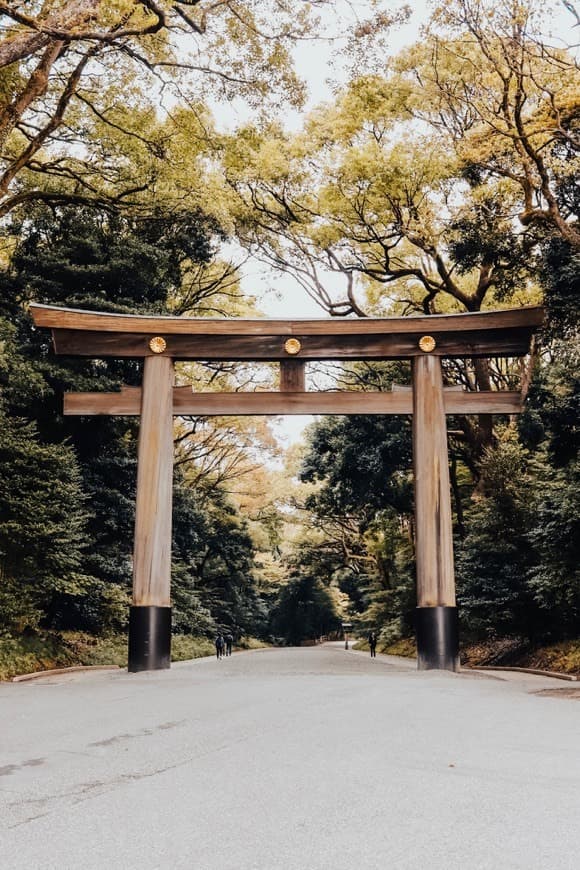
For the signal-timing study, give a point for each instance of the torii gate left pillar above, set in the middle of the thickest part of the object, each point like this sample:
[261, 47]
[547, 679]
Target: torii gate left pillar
[436, 617]
[150, 615]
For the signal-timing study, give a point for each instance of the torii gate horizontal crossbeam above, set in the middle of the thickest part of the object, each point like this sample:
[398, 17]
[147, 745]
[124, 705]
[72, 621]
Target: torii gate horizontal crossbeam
[185, 403]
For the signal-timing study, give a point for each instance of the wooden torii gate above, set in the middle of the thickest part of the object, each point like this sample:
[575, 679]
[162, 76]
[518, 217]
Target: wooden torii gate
[161, 340]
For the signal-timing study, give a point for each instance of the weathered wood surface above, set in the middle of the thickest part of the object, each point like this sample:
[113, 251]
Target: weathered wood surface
[152, 549]
[493, 333]
[292, 376]
[185, 402]
[247, 348]
[76, 319]
[127, 402]
[433, 528]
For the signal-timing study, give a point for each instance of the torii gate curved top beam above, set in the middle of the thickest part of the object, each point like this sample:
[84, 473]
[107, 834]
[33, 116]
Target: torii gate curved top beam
[88, 333]
[161, 340]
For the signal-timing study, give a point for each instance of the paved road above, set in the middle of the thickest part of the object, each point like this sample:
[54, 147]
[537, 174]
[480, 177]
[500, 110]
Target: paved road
[300, 759]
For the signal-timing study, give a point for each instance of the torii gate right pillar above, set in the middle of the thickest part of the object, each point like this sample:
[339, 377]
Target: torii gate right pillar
[436, 615]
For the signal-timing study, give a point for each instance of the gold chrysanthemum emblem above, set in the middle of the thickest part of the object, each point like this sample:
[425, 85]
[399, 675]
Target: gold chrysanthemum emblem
[427, 343]
[292, 346]
[157, 344]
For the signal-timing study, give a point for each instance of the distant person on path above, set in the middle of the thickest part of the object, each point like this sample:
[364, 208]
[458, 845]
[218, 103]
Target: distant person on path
[219, 645]
[373, 644]
[229, 643]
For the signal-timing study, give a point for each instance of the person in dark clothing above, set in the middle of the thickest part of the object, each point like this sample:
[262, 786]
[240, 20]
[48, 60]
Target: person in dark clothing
[373, 644]
[229, 643]
[219, 645]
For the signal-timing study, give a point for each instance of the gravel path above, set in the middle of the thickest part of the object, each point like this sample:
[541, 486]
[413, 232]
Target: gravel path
[291, 759]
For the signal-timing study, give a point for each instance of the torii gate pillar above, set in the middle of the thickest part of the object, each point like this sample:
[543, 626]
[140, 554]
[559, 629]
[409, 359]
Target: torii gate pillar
[150, 616]
[436, 614]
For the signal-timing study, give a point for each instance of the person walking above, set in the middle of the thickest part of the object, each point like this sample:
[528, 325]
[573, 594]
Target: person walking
[373, 644]
[229, 643]
[219, 645]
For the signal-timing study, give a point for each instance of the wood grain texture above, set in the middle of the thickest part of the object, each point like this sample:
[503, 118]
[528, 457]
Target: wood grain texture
[492, 402]
[433, 529]
[238, 348]
[152, 549]
[128, 402]
[77, 319]
[292, 376]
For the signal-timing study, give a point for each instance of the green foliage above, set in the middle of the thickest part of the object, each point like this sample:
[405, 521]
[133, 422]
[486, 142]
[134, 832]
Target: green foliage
[389, 595]
[212, 570]
[226, 572]
[364, 462]
[427, 217]
[305, 610]
[101, 261]
[362, 193]
[45, 650]
[43, 523]
[79, 257]
[34, 652]
[83, 258]
[362, 506]
[560, 275]
[493, 559]
[552, 411]
[186, 646]
[484, 239]
[486, 70]
[249, 643]
[87, 124]
[554, 579]
[363, 469]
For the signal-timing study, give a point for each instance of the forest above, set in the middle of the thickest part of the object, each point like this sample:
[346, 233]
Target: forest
[157, 155]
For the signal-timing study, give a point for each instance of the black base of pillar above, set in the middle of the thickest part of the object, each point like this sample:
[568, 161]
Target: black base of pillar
[437, 638]
[149, 638]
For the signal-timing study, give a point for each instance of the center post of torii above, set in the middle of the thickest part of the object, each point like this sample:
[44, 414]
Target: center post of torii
[292, 343]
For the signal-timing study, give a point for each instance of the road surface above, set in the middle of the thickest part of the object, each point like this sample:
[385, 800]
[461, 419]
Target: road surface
[289, 759]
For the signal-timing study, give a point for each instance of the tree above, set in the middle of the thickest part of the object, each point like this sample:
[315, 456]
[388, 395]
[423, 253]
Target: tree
[494, 559]
[360, 518]
[225, 569]
[218, 452]
[212, 570]
[492, 83]
[84, 258]
[43, 510]
[88, 259]
[43, 521]
[401, 195]
[554, 579]
[549, 428]
[364, 198]
[389, 215]
[305, 610]
[81, 82]
[364, 465]
[560, 277]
